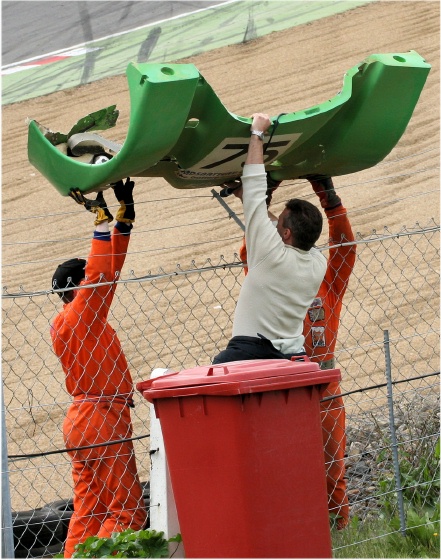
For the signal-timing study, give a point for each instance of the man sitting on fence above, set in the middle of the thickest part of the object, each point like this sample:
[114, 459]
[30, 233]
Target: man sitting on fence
[107, 491]
[285, 270]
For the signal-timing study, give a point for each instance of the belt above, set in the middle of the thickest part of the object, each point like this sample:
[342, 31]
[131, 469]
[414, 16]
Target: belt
[261, 339]
[118, 399]
[264, 341]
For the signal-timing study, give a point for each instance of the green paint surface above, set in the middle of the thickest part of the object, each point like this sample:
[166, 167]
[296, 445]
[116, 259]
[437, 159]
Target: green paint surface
[180, 130]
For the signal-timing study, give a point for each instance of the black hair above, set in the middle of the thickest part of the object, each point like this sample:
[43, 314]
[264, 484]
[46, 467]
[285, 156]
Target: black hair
[68, 274]
[305, 222]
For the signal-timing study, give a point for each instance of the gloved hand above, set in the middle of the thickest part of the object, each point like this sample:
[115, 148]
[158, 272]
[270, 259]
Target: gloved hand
[97, 206]
[124, 195]
[324, 189]
[229, 187]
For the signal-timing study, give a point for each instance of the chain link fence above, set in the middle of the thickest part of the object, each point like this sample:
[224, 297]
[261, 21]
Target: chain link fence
[183, 318]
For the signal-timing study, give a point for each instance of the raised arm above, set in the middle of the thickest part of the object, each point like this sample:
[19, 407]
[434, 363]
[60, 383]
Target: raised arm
[259, 126]
[92, 304]
[341, 259]
[125, 217]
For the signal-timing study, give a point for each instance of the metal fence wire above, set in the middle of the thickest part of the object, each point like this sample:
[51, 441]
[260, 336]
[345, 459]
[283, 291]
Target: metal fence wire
[182, 318]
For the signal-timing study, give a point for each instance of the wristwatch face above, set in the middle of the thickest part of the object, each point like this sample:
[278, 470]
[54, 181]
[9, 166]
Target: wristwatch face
[258, 133]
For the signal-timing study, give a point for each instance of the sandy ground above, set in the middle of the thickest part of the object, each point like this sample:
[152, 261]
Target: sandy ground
[283, 72]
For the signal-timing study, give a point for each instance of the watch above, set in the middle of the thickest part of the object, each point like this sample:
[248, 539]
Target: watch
[258, 133]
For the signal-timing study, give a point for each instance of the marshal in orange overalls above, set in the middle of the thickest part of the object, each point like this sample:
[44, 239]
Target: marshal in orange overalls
[107, 491]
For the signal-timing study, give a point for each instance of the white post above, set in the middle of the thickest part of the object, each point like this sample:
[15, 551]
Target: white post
[163, 514]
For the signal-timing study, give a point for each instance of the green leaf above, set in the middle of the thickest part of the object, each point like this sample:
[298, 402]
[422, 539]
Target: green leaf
[177, 538]
[126, 544]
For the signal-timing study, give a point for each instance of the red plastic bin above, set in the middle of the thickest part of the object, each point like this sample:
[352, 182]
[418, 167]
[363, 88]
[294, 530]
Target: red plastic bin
[245, 453]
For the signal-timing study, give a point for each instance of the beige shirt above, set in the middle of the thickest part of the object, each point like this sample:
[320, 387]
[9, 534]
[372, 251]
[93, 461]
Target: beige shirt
[282, 280]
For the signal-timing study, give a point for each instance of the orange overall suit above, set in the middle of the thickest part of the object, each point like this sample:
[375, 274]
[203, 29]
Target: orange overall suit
[107, 491]
[320, 331]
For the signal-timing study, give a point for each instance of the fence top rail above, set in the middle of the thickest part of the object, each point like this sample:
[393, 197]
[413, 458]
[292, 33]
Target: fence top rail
[132, 279]
[223, 264]
[389, 235]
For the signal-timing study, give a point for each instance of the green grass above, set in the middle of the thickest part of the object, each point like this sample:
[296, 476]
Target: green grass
[382, 539]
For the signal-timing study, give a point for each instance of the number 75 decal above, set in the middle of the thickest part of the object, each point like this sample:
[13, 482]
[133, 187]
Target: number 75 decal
[230, 155]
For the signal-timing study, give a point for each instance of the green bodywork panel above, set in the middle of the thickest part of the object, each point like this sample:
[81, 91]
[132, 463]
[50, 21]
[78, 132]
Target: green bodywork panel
[180, 130]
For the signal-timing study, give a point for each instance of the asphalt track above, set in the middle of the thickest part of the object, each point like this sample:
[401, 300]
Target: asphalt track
[50, 46]
[35, 28]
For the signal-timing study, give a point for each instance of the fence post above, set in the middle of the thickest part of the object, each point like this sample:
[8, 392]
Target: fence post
[7, 532]
[390, 401]
[228, 209]
[163, 513]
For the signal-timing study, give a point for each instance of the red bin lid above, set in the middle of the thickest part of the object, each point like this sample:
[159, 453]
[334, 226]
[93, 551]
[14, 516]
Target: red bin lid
[235, 378]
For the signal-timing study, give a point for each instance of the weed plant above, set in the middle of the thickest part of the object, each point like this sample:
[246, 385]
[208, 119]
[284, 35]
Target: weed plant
[385, 537]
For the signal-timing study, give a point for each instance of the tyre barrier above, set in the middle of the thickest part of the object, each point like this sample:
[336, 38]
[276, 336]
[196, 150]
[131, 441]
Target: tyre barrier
[43, 552]
[64, 510]
[146, 496]
[41, 532]
[36, 528]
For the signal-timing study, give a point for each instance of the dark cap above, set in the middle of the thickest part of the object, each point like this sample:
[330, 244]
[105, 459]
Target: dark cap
[68, 274]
